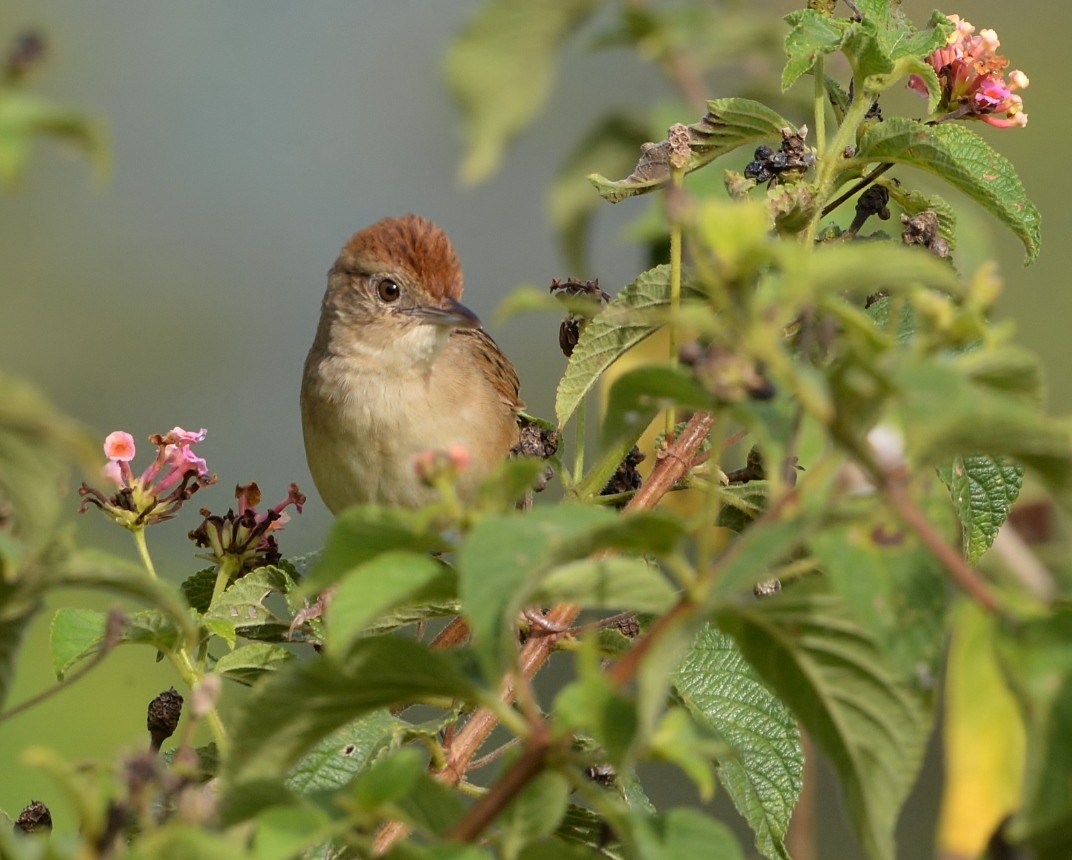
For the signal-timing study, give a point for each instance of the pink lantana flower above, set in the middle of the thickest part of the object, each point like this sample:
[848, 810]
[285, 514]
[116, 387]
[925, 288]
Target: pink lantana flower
[159, 491]
[971, 72]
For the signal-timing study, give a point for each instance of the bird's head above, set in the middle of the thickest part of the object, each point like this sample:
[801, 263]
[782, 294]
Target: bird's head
[396, 287]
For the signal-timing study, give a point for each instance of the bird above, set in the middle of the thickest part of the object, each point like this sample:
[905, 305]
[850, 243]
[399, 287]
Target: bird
[398, 367]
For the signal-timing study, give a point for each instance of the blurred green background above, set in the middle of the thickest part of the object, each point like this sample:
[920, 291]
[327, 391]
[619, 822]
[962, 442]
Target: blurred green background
[248, 140]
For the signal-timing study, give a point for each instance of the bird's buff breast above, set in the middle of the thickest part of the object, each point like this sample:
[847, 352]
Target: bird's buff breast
[363, 429]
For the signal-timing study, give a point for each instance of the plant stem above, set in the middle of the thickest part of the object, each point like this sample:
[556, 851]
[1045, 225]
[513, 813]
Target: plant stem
[143, 551]
[830, 160]
[534, 654]
[677, 181]
[962, 573]
[181, 661]
[578, 454]
[820, 105]
[228, 568]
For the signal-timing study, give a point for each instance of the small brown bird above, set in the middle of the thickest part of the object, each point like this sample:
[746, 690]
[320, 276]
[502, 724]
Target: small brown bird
[400, 366]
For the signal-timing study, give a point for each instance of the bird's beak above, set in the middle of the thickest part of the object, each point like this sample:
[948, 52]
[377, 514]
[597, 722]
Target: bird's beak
[447, 312]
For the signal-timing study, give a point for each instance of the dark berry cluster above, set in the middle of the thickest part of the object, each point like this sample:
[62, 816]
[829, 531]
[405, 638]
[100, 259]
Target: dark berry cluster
[769, 163]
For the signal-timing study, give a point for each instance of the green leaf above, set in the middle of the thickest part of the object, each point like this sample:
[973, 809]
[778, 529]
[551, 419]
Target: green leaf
[765, 772]
[828, 671]
[25, 117]
[362, 533]
[535, 812]
[620, 326]
[894, 586]
[752, 557]
[241, 607]
[728, 124]
[947, 415]
[283, 832]
[638, 395]
[505, 558]
[38, 447]
[399, 787]
[88, 568]
[681, 833]
[983, 490]
[1037, 660]
[250, 662]
[198, 587]
[614, 582]
[500, 70]
[12, 627]
[294, 708]
[334, 761]
[812, 35]
[964, 160]
[393, 579]
[79, 633]
[594, 706]
[611, 146]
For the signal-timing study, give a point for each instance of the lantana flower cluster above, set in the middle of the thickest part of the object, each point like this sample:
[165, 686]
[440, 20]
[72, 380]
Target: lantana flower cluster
[246, 535]
[971, 72]
[160, 490]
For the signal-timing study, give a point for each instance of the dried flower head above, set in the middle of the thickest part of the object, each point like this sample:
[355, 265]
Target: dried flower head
[246, 534]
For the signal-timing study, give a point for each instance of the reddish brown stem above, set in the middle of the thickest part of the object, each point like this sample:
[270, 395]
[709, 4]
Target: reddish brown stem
[962, 573]
[667, 472]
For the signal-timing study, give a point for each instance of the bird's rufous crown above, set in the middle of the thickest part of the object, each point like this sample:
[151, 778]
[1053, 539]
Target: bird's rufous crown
[410, 246]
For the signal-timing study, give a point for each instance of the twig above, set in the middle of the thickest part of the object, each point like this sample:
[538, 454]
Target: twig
[533, 655]
[859, 186]
[962, 573]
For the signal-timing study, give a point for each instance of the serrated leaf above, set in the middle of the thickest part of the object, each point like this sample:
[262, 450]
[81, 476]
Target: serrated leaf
[812, 35]
[251, 662]
[101, 571]
[742, 503]
[828, 671]
[614, 331]
[334, 761]
[308, 700]
[385, 583]
[764, 775]
[197, 588]
[964, 160]
[983, 490]
[78, 633]
[727, 125]
[242, 604]
[500, 70]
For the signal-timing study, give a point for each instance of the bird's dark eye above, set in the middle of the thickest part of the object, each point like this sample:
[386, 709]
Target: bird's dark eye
[387, 290]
